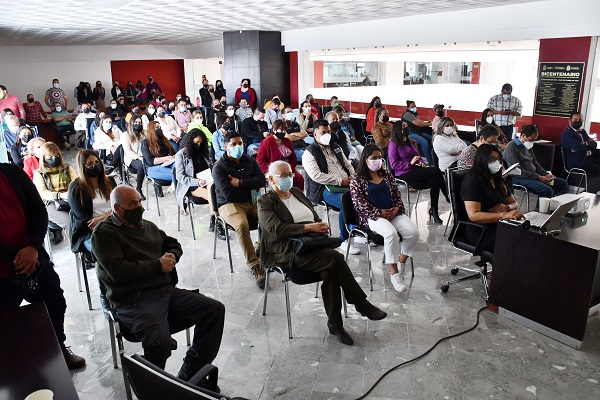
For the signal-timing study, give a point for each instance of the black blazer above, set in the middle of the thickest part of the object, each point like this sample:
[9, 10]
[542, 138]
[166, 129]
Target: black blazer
[80, 214]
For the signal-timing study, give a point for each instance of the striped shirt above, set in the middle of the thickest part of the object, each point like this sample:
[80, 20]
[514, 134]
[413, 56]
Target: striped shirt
[498, 103]
[335, 171]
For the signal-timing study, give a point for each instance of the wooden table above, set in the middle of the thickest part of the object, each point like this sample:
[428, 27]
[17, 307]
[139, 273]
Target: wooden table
[30, 355]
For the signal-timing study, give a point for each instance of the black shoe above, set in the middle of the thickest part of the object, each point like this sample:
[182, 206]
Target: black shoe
[366, 309]
[158, 190]
[211, 226]
[57, 236]
[141, 194]
[433, 214]
[220, 231]
[342, 335]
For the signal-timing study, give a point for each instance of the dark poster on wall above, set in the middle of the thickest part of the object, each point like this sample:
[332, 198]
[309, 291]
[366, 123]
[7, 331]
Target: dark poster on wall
[558, 88]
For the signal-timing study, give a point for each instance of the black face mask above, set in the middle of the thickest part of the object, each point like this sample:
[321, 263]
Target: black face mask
[279, 135]
[440, 113]
[30, 99]
[334, 126]
[223, 103]
[51, 161]
[137, 126]
[577, 124]
[159, 132]
[217, 107]
[226, 126]
[161, 114]
[26, 138]
[93, 172]
[197, 147]
[245, 85]
[172, 108]
[205, 85]
[405, 132]
[385, 118]
[211, 90]
[377, 104]
[220, 85]
[150, 79]
[312, 101]
[136, 110]
[86, 110]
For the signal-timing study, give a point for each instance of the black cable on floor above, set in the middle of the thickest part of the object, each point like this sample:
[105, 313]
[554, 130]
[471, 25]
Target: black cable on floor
[422, 355]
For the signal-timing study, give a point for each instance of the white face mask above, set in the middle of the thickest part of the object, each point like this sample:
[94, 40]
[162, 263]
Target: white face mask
[151, 111]
[494, 167]
[198, 121]
[37, 152]
[229, 113]
[306, 109]
[448, 130]
[325, 139]
[489, 120]
[505, 96]
[289, 116]
[528, 145]
[113, 106]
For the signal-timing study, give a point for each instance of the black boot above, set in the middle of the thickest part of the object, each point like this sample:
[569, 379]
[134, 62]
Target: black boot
[220, 231]
[158, 190]
[433, 214]
[141, 194]
[211, 227]
[342, 335]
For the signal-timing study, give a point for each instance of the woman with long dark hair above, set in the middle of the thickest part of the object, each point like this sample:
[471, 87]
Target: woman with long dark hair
[132, 150]
[157, 149]
[374, 105]
[486, 196]
[18, 151]
[408, 165]
[220, 90]
[487, 118]
[379, 207]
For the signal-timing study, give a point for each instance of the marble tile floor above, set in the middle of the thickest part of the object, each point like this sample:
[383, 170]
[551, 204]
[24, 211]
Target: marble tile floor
[498, 360]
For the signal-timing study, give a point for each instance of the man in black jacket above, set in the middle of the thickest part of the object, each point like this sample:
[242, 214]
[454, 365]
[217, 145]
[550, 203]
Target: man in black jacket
[26, 271]
[255, 129]
[236, 175]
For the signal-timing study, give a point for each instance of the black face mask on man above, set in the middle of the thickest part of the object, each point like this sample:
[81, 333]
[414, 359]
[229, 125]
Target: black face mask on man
[334, 126]
[577, 124]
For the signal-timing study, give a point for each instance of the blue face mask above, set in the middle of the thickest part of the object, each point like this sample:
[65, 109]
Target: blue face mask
[107, 126]
[413, 109]
[285, 184]
[236, 151]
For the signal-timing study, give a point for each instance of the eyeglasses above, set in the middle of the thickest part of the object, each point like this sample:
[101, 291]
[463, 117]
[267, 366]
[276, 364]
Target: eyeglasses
[92, 164]
[290, 175]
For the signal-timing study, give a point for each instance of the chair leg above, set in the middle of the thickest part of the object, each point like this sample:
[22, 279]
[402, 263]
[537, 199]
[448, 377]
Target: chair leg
[147, 193]
[126, 381]
[287, 307]
[345, 305]
[215, 241]
[228, 245]
[412, 266]
[448, 222]
[85, 281]
[48, 244]
[192, 220]
[266, 292]
[178, 218]
[369, 270]
[417, 200]
[316, 290]
[187, 337]
[408, 201]
[157, 203]
[113, 345]
[77, 266]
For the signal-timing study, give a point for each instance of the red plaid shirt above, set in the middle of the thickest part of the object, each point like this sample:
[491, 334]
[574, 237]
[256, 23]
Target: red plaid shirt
[34, 112]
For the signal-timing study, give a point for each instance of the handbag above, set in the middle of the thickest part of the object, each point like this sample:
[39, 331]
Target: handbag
[61, 205]
[310, 242]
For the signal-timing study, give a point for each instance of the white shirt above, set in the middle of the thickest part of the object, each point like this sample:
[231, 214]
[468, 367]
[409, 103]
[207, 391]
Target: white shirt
[169, 126]
[131, 150]
[299, 210]
[100, 205]
[448, 149]
[81, 121]
[103, 141]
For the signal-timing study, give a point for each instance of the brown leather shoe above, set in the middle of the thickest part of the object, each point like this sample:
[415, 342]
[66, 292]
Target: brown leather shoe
[259, 275]
[73, 360]
[366, 309]
[342, 335]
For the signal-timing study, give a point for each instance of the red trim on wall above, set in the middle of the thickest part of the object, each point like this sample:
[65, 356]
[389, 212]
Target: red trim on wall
[476, 73]
[318, 73]
[561, 50]
[595, 128]
[167, 73]
[293, 81]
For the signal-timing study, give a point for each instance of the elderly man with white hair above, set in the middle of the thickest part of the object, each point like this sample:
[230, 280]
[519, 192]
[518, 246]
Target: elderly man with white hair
[136, 263]
[285, 213]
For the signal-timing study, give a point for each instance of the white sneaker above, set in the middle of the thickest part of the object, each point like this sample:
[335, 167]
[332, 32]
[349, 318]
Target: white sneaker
[398, 283]
[67, 145]
[362, 240]
[353, 250]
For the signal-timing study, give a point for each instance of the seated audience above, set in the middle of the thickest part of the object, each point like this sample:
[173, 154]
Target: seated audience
[81, 126]
[408, 165]
[108, 137]
[52, 181]
[372, 109]
[235, 176]
[285, 213]
[438, 111]
[294, 132]
[136, 263]
[230, 112]
[277, 147]
[132, 150]
[418, 129]
[382, 130]
[533, 176]
[116, 91]
[315, 107]
[24, 222]
[488, 134]
[243, 111]
[62, 123]
[269, 103]
[198, 123]
[326, 164]
[254, 130]
[183, 116]
[247, 93]
[224, 126]
[487, 118]
[273, 113]
[34, 152]
[18, 151]
[486, 196]
[446, 143]
[348, 130]
[579, 146]
[170, 129]
[158, 150]
[306, 118]
[211, 115]
[149, 116]
[116, 113]
[378, 204]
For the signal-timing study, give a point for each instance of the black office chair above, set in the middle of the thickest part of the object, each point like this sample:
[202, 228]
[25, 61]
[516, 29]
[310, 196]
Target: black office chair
[155, 183]
[459, 239]
[219, 220]
[188, 202]
[574, 171]
[65, 134]
[150, 382]
[351, 218]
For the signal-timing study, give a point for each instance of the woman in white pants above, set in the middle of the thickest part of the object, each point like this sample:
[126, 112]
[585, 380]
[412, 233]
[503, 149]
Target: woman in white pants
[379, 207]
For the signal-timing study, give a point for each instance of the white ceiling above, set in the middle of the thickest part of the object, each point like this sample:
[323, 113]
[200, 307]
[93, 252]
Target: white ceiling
[95, 22]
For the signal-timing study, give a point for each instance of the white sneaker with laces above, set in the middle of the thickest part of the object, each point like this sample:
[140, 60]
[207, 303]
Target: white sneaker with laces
[353, 250]
[362, 240]
[398, 283]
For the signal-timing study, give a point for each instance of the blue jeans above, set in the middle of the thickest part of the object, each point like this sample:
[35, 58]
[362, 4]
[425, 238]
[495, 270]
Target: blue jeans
[423, 140]
[88, 245]
[335, 200]
[251, 148]
[175, 145]
[160, 172]
[541, 189]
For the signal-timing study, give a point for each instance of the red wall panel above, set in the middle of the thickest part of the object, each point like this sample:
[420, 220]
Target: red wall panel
[167, 73]
[318, 74]
[561, 50]
[293, 81]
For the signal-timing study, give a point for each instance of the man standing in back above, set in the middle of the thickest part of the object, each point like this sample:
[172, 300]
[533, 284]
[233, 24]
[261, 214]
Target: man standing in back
[506, 109]
[56, 95]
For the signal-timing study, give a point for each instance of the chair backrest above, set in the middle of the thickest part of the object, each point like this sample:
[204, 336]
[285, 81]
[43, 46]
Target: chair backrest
[151, 382]
[348, 210]
[459, 212]
[174, 177]
[436, 160]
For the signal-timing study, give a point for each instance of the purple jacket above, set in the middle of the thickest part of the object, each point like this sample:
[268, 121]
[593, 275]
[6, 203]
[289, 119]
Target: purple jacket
[401, 156]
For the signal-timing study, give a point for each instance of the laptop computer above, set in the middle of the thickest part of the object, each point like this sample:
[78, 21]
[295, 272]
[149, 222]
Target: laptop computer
[540, 220]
